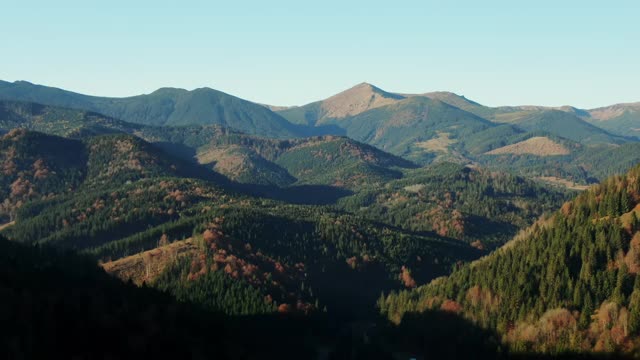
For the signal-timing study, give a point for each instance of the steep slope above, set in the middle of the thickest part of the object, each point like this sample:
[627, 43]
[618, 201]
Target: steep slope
[350, 102]
[167, 106]
[569, 283]
[37, 166]
[621, 119]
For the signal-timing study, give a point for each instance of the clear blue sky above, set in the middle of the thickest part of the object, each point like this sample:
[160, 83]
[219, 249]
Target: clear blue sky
[583, 53]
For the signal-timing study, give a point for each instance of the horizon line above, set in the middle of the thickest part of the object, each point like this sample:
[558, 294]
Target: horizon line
[552, 107]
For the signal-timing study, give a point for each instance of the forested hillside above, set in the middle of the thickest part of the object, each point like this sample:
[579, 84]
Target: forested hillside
[569, 283]
[482, 208]
[164, 107]
[125, 196]
[326, 160]
[59, 304]
[36, 166]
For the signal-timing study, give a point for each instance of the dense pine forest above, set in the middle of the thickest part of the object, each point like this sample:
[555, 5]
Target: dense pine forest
[567, 284]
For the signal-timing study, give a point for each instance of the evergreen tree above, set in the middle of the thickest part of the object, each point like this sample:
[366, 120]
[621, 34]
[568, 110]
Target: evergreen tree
[634, 308]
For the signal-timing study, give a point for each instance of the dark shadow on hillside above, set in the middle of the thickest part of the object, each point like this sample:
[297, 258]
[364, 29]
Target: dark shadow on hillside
[350, 294]
[177, 150]
[307, 130]
[436, 334]
[494, 233]
[61, 305]
[439, 335]
[301, 194]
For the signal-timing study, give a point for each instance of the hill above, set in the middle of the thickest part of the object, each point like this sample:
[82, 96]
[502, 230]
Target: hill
[37, 166]
[350, 102]
[325, 160]
[569, 283]
[620, 119]
[538, 145]
[476, 206]
[244, 165]
[40, 167]
[166, 107]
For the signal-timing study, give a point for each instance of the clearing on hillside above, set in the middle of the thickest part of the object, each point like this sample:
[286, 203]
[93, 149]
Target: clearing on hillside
[145, 266]
[539, 145]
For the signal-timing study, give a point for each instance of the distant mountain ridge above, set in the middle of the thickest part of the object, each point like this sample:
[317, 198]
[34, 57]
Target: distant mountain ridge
[423, 128]
[205, 106]
[617, 118]
[165, 107]
[443, 126]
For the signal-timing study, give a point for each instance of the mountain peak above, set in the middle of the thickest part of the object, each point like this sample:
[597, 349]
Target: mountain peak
[356, 100]
[368, 87]
[365, 85]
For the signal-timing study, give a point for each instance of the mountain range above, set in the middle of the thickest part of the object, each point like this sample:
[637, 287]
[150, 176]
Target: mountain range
[371, 224]
[422, 128]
